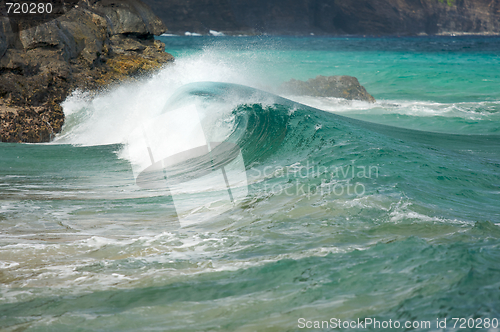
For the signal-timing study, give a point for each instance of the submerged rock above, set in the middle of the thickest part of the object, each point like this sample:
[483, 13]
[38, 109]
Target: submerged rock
[346, 87]
[95, 44]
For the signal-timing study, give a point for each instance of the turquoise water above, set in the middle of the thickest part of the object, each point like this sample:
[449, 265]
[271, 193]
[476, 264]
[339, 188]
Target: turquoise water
[384, 211]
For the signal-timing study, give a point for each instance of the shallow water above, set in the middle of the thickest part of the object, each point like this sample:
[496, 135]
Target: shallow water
[354, 210]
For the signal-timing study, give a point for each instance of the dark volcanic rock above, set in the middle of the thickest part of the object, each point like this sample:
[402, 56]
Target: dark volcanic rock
[365, 17]
[346, 87]
[130, 16]
[97, 43]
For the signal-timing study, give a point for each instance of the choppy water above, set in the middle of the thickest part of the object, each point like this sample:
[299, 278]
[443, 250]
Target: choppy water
[388, 211]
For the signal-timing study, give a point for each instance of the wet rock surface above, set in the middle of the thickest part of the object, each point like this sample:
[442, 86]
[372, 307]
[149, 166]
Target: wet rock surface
[95, 44]
[346, 87]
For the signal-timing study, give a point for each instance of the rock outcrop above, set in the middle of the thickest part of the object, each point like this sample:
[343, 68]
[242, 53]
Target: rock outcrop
[346, 87]
[97, 43]
[331, 17]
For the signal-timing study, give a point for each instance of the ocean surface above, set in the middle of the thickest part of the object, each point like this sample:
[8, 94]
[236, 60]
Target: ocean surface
[338, 211]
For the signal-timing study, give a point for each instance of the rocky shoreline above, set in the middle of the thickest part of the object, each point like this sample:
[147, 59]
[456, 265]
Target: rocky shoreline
[100, 42]
[93, 45]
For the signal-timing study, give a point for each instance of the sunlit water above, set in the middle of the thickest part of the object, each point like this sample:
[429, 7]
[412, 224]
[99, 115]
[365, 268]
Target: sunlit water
[388, 210]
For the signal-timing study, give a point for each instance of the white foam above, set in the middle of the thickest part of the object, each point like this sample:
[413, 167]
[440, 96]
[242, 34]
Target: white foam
[216, 33]
[466, 110]
[110, 116]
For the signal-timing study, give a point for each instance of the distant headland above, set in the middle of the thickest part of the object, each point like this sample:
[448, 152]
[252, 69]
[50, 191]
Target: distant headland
[331, 17]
